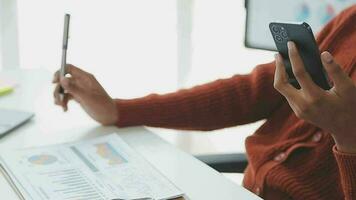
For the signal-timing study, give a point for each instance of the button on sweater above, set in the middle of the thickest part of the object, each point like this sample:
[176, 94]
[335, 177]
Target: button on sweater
[288, 157]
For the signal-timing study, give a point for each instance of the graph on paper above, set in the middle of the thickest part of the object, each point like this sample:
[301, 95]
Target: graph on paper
[98, 169]
[106, 151]
[42, 159]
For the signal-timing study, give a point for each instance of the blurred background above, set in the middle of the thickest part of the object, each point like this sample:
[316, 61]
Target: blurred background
[136, 47]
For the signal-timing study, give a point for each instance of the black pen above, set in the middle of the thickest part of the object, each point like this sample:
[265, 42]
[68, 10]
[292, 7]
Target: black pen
[62, 71]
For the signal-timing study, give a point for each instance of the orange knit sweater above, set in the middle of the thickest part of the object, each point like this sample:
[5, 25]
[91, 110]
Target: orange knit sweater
[288, 157]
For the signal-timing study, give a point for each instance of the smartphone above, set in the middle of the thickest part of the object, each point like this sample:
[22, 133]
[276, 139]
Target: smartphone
[302, 35]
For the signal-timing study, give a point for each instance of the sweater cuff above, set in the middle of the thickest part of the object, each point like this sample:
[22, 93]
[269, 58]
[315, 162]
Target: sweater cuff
[127, 110]
[136, 112]
[347, 169]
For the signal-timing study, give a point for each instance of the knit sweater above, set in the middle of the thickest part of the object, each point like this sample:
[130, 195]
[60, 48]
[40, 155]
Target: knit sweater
[288, 157]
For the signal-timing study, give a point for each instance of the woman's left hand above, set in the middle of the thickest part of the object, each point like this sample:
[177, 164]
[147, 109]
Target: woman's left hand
[332, 110]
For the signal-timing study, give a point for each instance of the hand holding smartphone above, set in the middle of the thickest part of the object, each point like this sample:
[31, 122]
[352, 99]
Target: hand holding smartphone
[302, 36]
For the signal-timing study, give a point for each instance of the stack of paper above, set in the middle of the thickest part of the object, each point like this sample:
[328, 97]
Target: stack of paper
[102, 168]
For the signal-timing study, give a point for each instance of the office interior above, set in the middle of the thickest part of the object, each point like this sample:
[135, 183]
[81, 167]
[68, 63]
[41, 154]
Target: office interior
[152, 46]
[134, 48]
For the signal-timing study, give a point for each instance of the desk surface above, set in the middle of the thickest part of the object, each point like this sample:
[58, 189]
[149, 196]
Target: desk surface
[34, 93]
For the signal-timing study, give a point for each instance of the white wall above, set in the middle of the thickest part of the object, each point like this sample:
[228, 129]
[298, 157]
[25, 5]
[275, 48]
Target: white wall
[9, 54]
[185, 16]
[136, 47]
[218, 41]
[130, 45]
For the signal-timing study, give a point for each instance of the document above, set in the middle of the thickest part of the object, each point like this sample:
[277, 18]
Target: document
[98, 169]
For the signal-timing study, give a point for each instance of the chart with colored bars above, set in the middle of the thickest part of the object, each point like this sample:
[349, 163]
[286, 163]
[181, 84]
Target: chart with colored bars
[106, 151]
[42, 159]
[98, 169]
[98, 156]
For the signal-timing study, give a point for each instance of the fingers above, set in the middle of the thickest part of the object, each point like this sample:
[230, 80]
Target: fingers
[61, 102]
[281, 80]
[334, 71]
[70, 69]
[74, 71]
[66, 99]
[73, 87]
[299, 71]
[55, 77]
[69, 85]
[56, 95]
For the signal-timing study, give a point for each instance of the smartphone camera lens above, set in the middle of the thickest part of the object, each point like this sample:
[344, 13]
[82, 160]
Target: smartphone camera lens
[284, 34]
[276, 29]
[278, 38]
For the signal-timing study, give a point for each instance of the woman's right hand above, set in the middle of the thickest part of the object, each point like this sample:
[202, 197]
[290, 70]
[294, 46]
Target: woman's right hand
[82, 87]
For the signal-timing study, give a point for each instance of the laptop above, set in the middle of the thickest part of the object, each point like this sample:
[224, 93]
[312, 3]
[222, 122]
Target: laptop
[11, 119]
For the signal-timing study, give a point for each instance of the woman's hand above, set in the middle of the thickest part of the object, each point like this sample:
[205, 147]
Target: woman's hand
[86, 90]
[334, 110]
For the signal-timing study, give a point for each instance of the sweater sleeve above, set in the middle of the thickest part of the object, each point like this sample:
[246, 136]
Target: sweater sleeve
[223, 103]
[346, 162]
[347, 171]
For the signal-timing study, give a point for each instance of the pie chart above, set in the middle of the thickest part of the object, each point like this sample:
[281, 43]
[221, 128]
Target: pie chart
[43, 159]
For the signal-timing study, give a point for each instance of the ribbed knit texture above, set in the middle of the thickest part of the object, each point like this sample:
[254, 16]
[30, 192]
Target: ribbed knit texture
[310, 169]
[347, 164]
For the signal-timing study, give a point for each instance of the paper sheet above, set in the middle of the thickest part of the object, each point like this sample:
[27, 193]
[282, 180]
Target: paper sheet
[98, 169]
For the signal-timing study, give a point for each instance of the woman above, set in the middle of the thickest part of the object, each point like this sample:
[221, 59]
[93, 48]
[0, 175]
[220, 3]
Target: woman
[306, 149]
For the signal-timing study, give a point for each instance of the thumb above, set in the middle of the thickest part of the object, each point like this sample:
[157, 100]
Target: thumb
[65, 101]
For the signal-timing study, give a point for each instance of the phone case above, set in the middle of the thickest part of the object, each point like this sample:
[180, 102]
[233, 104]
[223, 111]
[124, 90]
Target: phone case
[302, 36]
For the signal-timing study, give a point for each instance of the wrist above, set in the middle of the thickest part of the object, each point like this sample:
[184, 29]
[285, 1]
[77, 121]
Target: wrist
[343, 149]
[111, 116]
[115, 114]
[346, 146]
[345, 138]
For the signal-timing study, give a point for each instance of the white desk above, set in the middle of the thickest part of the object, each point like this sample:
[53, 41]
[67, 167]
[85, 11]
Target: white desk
[51, 126]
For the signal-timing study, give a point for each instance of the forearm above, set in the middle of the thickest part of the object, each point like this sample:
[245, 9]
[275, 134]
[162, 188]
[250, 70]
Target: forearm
[227, 102]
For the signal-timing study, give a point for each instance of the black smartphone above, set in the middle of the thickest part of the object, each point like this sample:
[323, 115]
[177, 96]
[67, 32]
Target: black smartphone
[302, 35]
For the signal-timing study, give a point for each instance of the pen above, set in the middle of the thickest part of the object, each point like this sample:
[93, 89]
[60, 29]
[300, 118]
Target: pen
[62, 71]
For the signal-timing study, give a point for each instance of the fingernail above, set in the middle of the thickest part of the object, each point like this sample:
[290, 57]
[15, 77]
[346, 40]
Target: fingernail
[290, 44]
[328, 57]
[276, 56]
